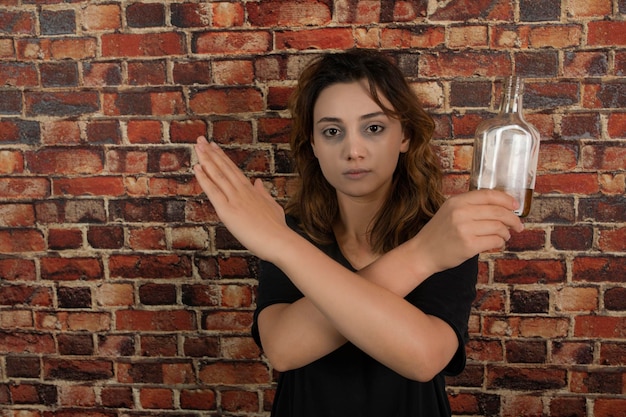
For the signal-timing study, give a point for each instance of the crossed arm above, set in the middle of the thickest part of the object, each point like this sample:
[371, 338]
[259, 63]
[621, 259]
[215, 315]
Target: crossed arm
[366, 307]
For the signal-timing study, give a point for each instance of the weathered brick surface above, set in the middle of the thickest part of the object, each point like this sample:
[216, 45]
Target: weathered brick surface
[121, 294]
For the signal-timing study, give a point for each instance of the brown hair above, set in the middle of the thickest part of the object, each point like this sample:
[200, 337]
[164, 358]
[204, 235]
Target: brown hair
[415, 193]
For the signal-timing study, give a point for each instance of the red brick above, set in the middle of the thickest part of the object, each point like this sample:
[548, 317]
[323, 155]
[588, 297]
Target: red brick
[160, 398]
[101, 17]
[225, 100]
[583, 183]
[469, 36]
[17, 22]
[11, 162]
[74, 48]
[240, 401]
[187, 131]
[565, 353]
[315, 39]
[25, 342]
[558, 157]
[147, 72]
[179, 373]
[198, 399]
[612, 240]
[597, 381]
[61, 239]
[572, 238]
[600, 327]
[25, 295]
[617, 125]
[529, 272]
[239, 348]
[144, 131]
[609, 407]
[102, 74]
[274, 130]
[114, 294]
[105, 186]
[150, 266]
[544, 327]
[611, 95]
[485, 350]
[463, 10]
[174, 186]
[135, 45]
[230, 72]
[606, 33]
[169, 160]
[164, 346]
[227, 15]
[126, 161]
[230, 373]
[613, 353]
[60, 132]
[21, 240]
[17, 215]
[117, 397]
[227, 321]
[556, 36]
[77, 396]
[162, 321]
[19, 131]
[229, 131]
[585, 64]
[520, 404]
[288, 14]
[192, 72]
[247, 42]
[71, 269]
[17, 270]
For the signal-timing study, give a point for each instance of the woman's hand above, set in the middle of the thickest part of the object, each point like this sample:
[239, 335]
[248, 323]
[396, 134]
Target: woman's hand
[248, 211]
[468, 224]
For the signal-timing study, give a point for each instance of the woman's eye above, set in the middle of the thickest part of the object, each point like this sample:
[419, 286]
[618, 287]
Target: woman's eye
[375, 128]
[331, 131]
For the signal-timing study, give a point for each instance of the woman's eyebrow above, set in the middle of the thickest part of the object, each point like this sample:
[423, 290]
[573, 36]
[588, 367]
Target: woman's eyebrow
[329, 119]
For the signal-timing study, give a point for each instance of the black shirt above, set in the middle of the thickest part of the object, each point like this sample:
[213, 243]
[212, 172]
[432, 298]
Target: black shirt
[348, 382]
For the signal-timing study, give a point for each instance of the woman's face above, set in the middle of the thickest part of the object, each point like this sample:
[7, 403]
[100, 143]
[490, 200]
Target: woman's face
[356, 143]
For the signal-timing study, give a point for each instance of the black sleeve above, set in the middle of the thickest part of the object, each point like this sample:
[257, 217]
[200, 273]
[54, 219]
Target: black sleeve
[449, 295]
[274, 288]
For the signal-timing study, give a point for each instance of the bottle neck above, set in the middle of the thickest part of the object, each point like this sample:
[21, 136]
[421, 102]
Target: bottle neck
[512, 96]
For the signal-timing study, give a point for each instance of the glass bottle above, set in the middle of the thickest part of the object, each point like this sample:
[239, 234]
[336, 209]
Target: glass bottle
[506, 150]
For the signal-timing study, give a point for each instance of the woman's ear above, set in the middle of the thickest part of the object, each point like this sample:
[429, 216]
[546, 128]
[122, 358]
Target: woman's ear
[312, 143]
[404, 145]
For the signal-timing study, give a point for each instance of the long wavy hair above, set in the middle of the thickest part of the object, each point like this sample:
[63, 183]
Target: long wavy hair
[416, 191]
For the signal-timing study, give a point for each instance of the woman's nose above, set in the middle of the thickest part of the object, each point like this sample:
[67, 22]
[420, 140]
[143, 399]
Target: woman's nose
[354, 146]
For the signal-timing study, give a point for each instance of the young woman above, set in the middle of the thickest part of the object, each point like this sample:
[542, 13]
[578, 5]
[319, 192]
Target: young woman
[367, 281]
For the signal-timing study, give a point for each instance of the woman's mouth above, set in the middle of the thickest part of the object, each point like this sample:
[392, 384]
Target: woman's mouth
[355, 174]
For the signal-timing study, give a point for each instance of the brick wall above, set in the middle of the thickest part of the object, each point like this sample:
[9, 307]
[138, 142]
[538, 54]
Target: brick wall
[121, 293]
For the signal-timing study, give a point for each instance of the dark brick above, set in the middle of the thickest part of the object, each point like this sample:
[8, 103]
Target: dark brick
[74, 297]
[157, 294]
[143, 15]
[539, 10]
[23, 367]
[568, 407]
[615, 299]
[192, 72]
[602, 209]
[11, 102]
[200, 295]
[524, 351]
[530, 301]
[78, 370]
[106, 237]
[16, 131]
[537, 64]
[165, 346]
[572, 237]
[470, 94]
[147, 73]
[187, 15]
[117, 397]
[57, 22]
[201, 346]
[76, 103]
[59, 74]
[104, 132]
[75, 344]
